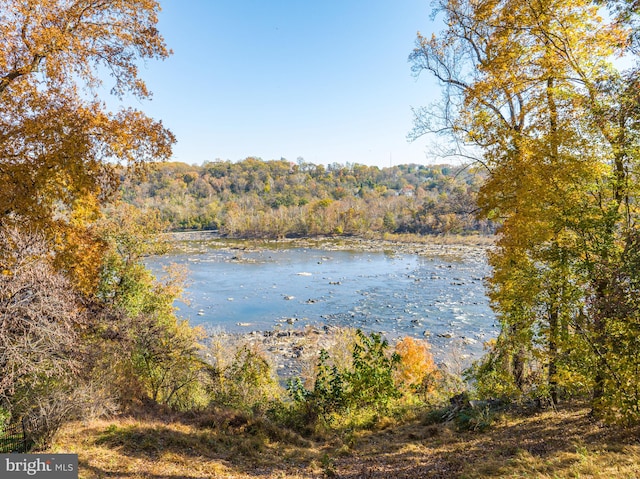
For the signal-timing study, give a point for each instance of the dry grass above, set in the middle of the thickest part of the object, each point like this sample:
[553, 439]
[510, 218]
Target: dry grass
[224, 446]
[551, 444]
[545, 445]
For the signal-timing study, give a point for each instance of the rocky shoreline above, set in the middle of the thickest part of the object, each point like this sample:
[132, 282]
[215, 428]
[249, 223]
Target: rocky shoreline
[429, 246]
[294, 352]
[290, 352]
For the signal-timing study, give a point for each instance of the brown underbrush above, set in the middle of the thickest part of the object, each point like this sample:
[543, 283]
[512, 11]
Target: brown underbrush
[562, 443]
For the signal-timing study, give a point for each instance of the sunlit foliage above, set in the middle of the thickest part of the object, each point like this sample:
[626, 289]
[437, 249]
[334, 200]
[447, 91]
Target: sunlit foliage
[256, 198]
[532, 92]
[58, 141]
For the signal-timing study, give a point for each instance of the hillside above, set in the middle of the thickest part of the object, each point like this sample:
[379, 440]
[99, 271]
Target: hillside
[256, 198]
[545, 444]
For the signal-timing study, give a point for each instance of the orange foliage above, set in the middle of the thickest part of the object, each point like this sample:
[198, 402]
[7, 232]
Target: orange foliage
[58, 141]
[416, 364]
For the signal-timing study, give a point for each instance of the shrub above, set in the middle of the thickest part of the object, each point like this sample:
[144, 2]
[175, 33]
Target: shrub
[5, 416]
[371, 379]
[416, 370]
[155, 353]
[368, 382]
[40, 321]
[247, 383]
[166, 360]
[328, 394]
[492, 375]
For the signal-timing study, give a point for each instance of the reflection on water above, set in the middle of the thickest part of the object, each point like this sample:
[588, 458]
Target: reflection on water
[397, 294]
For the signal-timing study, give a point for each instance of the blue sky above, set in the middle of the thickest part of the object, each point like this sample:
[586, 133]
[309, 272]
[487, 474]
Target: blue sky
[326, 80]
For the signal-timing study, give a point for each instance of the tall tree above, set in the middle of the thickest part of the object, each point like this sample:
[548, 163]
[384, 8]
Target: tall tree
[531, 85]
[58, 140]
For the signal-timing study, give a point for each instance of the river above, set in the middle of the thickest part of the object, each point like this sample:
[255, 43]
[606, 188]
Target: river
[243, 287]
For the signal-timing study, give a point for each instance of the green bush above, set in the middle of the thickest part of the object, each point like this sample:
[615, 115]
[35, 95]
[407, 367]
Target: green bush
[247, 383]
[367, 383]
[371, 379]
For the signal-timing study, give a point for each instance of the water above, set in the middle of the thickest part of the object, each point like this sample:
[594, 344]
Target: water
[399, 294]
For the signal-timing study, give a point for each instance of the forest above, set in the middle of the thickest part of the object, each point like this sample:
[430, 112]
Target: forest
[540, 101]
[277, 199]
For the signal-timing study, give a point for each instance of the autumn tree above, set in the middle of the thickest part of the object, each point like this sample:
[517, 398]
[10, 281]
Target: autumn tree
[146, 349]
[58, 140]
[530, 87]
[416, 370]
[256, 198]
[75, 299]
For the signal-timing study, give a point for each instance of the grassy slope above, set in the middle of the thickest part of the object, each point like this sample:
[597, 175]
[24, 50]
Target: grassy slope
[548, 444]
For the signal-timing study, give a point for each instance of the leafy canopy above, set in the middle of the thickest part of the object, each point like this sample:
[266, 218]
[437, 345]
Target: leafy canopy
[58, 140]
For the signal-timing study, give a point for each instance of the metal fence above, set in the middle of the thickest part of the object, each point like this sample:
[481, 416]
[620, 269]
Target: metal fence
[18, 437]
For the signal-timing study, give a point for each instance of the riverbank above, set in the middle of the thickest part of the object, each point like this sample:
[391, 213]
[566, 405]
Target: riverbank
[290, 352]
[294, 353]
[447, 246]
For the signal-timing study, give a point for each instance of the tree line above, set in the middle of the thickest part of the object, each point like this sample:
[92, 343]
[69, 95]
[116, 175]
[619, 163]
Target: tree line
[278, 198]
